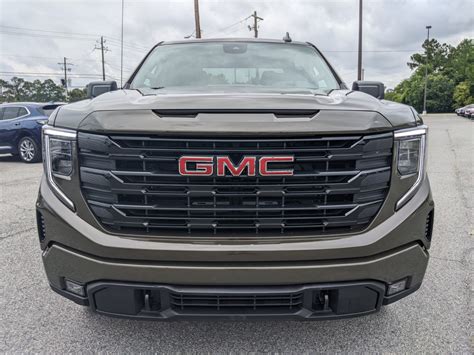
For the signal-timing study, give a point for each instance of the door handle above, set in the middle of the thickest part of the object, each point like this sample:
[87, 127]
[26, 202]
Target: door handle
[16, 124]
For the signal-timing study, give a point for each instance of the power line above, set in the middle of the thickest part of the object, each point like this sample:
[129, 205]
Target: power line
[27, 56]
[117, 66]
[56, 75]
[191, 35]
[48, 73]
[61, 35]
[85, 58]
[230, 26]
[75, 76]
[38, 35]
[94, 35]
[236, 23]
[233, 31]
[128, 46]
[371, 51]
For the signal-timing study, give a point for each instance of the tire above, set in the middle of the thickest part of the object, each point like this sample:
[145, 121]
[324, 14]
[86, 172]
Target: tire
[28, 150]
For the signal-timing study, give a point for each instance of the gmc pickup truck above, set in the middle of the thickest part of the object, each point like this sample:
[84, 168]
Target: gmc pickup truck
[235, 178]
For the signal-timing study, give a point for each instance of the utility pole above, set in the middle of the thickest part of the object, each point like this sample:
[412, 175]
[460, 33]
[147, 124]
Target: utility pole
[197, 21]
[255, 24]
[102, 50]
[66, 67]
[359, 57]
[426, 69]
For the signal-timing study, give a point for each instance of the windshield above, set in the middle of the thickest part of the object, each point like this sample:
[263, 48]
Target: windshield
[230, 65]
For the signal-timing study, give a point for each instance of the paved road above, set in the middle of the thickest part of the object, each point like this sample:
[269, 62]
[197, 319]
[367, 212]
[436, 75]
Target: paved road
[435, 319]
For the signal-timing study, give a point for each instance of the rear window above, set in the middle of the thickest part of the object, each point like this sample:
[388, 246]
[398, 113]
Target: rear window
[22, 111]
[47, 110]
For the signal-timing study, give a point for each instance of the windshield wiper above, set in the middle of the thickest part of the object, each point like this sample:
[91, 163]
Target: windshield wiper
[157, 88]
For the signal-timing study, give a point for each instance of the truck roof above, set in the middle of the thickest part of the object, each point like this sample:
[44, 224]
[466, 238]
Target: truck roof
[250, 40]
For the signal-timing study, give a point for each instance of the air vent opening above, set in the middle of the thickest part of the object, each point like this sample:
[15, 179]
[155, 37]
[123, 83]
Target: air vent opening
[429, 225]
[41, 227]
[192, 113]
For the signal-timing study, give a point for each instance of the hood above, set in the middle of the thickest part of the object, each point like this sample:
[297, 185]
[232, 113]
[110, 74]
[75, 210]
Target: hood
[130, 111]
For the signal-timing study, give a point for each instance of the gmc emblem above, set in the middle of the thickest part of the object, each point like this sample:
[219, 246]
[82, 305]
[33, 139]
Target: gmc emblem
[206, 166]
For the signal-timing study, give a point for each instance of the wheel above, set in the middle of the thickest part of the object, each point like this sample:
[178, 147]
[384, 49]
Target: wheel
[29, 150]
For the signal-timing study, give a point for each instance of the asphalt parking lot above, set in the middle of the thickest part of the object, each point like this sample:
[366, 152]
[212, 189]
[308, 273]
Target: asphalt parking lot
[438, 318]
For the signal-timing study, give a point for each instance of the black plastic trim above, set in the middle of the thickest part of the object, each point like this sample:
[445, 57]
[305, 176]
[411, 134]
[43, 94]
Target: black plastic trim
[391, 299]
[345, 300]
[194, 112]
[83, 301]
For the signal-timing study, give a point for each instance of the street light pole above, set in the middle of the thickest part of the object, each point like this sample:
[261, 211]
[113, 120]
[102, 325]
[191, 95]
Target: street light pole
[359, 52]
[426, 69]
[121, 49]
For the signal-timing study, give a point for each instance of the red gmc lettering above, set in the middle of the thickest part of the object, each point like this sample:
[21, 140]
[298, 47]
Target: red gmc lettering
[204, 165]
[246, 162]
[264, 170]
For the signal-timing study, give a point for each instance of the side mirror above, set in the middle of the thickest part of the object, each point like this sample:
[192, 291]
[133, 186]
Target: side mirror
[374, 88]
[97, 88]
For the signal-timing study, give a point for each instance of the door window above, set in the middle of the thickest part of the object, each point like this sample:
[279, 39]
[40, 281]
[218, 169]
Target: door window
[10, 112]
[13, 112]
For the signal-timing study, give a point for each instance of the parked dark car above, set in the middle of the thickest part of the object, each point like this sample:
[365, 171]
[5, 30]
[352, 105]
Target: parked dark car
[20, 128]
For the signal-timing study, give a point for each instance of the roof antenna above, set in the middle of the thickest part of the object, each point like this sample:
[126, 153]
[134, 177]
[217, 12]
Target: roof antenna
[287, 38]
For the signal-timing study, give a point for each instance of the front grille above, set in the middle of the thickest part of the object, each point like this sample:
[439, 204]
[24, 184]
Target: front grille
[132, 185]
[244, 303]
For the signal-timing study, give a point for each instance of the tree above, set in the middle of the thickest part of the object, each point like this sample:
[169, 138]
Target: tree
[440, 93]
[17, 89]
[436, 53]
[462, 94]
[47, 91]
[77, 95]
[450, 79]
[3, 90]
[461, 63]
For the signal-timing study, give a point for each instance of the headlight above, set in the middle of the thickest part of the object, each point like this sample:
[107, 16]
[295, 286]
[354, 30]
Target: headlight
[60, 152]
[411, 158]
[58, 158]
[42, 122]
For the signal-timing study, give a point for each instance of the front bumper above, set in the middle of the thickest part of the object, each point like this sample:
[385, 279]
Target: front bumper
[127, 298]
[165, 302]
[364, 264]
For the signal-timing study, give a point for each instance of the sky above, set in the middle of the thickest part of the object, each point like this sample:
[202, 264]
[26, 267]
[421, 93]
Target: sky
[35, 35]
